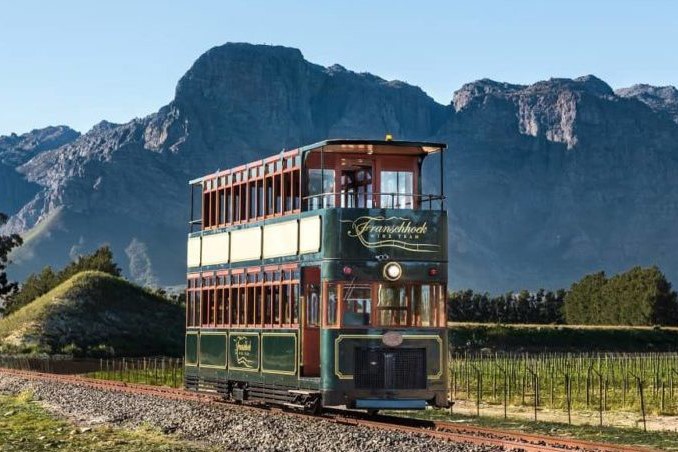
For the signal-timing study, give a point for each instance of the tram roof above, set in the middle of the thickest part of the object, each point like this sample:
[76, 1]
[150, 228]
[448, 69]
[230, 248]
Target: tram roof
[391, 147]
[376, 147]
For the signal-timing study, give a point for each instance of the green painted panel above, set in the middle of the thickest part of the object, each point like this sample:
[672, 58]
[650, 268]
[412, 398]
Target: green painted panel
[243, 351]
[213, 350]
[279, 353]
[418, 235]
[191, 349]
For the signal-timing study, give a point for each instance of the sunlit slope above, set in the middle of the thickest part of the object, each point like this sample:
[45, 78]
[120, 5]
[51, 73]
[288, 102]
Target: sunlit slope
[96, 314]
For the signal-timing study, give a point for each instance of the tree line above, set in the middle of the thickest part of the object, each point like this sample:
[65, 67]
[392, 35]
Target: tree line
[639, 296]
[543, 306]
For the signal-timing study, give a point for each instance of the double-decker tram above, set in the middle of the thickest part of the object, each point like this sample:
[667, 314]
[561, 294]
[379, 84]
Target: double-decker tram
[317, 277]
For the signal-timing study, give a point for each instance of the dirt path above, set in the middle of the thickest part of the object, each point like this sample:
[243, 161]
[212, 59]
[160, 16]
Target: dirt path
[610, 418]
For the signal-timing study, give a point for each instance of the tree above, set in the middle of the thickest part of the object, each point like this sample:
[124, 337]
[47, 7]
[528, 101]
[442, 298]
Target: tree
[7, 243]
[583, 302]
[639, 296]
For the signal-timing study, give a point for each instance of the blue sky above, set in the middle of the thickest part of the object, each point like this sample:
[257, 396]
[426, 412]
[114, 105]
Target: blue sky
[78, 62]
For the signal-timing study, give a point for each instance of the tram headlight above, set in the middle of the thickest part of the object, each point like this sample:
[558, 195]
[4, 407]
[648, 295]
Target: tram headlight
[393, 271]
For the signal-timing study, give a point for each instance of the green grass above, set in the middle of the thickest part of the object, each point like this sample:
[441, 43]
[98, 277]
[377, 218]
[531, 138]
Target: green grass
[26, 427]
[95, 314]
[628, 436]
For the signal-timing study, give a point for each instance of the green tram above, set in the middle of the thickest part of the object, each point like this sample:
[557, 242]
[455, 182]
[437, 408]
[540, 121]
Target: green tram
[317, 277]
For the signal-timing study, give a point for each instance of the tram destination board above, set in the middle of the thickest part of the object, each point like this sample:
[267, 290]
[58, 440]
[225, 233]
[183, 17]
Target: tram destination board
[393, 234]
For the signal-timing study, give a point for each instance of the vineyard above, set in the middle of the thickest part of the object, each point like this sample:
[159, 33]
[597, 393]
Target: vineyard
[645, 382]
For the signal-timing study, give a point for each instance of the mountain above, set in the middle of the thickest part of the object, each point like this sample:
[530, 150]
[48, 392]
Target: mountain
[94, 313]
[545, 181]
[662, 99]
[18, 149]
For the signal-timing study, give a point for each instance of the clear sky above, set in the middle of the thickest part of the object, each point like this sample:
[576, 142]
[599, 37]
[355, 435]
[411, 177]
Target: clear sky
[78, 62]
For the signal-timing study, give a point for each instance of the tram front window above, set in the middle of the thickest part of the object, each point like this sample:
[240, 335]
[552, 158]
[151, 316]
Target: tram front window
[396, 189]
[392, 305]
[403, 305]
[357, 304]
[320, 189]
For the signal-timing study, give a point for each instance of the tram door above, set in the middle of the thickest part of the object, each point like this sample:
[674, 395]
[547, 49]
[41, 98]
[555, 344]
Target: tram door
[310, 333]
[356, 184]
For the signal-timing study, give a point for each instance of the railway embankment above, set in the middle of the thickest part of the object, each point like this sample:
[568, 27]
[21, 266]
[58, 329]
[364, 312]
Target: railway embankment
[222, 427]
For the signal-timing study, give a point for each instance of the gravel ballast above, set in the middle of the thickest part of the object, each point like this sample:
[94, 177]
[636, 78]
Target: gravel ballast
[232, 427]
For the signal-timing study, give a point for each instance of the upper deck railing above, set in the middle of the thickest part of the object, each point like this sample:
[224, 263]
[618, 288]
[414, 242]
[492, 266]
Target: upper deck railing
[374, 200]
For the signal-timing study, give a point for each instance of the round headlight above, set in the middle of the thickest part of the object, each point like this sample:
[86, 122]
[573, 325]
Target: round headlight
[393, 271]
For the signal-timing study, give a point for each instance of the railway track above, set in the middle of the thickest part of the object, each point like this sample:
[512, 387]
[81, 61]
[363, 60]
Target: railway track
[509, 440]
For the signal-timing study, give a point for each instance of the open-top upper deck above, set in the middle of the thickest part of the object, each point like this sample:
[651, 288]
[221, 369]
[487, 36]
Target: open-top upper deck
[327, 174]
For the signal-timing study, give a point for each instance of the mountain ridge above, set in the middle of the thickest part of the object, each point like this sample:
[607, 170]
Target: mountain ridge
[560, 150]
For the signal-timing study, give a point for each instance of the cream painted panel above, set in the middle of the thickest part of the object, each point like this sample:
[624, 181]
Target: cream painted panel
[246, 244]
[309, 235]
[215, 249]
[280, 239]
[193, 255]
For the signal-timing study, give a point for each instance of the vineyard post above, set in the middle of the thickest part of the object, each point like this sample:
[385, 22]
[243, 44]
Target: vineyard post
[503, 371]
[535, 380]
[600, 395]
[568, 396]
[479, 388]
[639, 382]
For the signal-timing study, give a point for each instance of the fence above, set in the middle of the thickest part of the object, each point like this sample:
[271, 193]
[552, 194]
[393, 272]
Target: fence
[163, 371]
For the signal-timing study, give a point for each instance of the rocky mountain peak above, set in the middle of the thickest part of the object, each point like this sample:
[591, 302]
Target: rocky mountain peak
[18, 149]
[473, 91]
[658, 98]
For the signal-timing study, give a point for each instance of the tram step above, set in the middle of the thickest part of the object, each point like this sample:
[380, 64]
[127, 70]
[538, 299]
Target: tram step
[301, 391]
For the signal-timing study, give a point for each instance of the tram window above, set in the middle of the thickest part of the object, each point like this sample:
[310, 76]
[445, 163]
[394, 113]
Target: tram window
[229, 205]
[250, 306]
[392, 305]
[241, 306]
[260, 198]
[224, 306]
[253, 199]
[285, 302]
[269, 195]
[233, 296]
[288, 191]
[295, 303]
[243, 202]
[213, 208]
[313, 306]
[222, 206]
[276, 304]
[423, 312]
[321, 193]
[332, 305]
[396, 189]
[357, 304]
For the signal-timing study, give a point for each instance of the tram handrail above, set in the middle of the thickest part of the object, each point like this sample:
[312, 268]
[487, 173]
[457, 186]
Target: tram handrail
[376, 198]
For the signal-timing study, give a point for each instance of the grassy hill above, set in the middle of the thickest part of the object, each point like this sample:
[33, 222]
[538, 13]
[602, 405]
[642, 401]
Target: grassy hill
[95, 314]
[474, 337]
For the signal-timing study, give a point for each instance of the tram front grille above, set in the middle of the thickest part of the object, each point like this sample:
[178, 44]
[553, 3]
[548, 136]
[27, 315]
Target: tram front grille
[390, 368]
